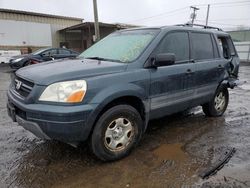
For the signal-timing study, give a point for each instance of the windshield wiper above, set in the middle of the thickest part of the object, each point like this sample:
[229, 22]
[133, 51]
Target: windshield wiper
[97, 58]
[103, 59]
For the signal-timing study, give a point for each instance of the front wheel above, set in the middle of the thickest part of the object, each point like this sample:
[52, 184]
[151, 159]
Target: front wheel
[116, 133]
[218, 105]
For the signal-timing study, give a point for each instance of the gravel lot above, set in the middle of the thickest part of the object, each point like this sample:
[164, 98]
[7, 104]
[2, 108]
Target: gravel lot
[171, 154]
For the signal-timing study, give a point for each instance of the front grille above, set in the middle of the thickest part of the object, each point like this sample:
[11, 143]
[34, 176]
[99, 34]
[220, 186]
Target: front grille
[22, 87]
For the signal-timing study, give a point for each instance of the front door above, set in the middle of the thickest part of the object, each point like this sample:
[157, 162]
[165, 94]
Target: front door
[171, 87]
[49, 55]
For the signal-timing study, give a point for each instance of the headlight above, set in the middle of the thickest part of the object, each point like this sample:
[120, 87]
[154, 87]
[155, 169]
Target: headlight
[18, 59]
[67, 92]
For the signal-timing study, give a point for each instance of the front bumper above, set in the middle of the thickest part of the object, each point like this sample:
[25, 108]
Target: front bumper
[32, 127]
[14, 66]
[64, 123]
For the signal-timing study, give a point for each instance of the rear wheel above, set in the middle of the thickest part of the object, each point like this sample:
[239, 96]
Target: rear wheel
[116, 133]
[218, 105]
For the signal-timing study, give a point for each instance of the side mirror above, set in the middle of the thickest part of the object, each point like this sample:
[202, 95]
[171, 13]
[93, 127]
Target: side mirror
[165, 59]
[46, 54]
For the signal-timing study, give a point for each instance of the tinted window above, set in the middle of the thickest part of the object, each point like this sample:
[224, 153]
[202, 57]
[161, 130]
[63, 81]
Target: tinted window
[50, 52]
[231, 46]
[37, 52]
[177, 43]
[216, 48]
[202, 46]
[64, 52]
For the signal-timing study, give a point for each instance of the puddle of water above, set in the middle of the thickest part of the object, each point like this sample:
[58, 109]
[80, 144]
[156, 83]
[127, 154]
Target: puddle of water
[171, 152]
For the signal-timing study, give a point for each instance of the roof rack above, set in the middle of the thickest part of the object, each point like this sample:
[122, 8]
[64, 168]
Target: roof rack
[199, 25]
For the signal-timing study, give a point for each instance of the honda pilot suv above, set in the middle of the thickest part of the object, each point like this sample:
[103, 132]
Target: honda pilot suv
[108, 94]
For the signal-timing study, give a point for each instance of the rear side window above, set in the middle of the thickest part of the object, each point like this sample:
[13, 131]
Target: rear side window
[50, 52]
[177, 43]
[64, 52]
[226, 47]
[202, 46]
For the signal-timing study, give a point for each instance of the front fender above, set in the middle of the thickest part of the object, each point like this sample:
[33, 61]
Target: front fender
[113, 92]
[119, 90]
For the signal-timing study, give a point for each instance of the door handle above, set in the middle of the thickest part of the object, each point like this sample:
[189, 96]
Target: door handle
[189, 71]
[220, 67]
[192, 60]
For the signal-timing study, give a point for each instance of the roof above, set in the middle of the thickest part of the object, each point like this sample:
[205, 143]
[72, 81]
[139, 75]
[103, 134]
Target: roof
[101, 24]
[190, 28]
[181, 27]
[38, 14]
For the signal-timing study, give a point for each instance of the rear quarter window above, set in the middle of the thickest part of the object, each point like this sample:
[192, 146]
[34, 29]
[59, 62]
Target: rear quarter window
[226, 46]
[64, 52]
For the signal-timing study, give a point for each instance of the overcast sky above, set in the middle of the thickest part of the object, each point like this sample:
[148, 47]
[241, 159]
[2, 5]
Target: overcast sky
[224, 13]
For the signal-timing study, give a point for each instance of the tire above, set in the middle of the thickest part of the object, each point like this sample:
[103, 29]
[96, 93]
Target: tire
[116, 133]
[218, 105]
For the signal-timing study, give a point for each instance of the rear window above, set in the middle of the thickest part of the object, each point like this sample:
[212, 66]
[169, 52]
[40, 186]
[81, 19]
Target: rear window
[202, 46]
[64, 52]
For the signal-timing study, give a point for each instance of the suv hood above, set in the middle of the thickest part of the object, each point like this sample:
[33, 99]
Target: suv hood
[68, 69]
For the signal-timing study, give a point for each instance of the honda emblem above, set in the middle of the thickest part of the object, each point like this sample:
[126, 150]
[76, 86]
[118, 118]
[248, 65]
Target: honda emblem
[18, 84]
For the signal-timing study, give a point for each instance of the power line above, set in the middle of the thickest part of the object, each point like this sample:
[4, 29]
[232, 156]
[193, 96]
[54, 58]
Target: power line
[223, 3]
[173, 12]
[218, 23]
[231, 19]
[158, 15]
[166, 17]
[227, 6]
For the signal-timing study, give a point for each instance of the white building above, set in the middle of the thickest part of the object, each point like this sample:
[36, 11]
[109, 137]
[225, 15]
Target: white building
[20, 29]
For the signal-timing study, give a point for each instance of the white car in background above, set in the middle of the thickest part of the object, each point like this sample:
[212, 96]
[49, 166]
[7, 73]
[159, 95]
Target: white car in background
[5, 55]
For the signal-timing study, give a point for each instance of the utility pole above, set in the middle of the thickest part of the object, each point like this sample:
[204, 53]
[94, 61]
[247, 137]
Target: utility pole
[208, 9]
[193, 15]
[97, 30]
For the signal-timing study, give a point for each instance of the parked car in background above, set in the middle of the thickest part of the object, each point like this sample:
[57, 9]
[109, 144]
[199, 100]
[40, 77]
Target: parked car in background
[5, 55]
[41, 55]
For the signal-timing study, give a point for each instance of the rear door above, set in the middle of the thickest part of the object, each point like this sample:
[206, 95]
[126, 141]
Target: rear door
[208, 66]
[171, 87]
[64, 53]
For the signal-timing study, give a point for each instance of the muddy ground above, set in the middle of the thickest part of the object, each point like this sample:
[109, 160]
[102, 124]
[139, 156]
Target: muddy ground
[171, 154]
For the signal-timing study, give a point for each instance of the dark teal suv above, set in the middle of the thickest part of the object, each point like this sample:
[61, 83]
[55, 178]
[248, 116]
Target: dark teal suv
[109, 93]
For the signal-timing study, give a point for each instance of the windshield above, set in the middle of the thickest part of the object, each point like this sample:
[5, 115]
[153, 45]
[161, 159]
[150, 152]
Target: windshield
[124, 46]
[37, 52]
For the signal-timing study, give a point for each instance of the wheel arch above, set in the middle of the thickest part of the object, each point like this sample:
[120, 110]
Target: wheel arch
[135, 101]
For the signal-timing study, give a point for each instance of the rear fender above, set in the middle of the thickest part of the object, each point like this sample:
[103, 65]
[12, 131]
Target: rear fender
[230, 82]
